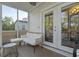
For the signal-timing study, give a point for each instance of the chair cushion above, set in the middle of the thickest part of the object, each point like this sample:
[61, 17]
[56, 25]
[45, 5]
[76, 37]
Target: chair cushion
[33, 39]
[8, 45]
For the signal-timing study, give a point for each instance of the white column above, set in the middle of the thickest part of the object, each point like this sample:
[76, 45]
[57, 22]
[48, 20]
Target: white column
[0, 25]
[17, 24]
[1, 51]
[28, 21]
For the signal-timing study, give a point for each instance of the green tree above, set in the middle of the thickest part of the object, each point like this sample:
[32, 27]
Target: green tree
[8, 24]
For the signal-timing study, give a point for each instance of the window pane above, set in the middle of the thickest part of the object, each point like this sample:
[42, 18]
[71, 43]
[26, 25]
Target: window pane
[23, 15]
[9, 16]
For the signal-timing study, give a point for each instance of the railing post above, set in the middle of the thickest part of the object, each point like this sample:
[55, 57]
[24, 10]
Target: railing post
[75, 52]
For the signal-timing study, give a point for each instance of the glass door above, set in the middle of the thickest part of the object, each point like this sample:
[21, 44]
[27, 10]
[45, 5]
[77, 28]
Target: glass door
[49, 28]
[70, 25]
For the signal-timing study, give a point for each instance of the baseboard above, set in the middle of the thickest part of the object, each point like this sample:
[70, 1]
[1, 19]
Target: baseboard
[58, 51]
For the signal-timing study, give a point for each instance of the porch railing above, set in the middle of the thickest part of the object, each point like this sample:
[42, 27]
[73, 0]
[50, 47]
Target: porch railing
[7, 35]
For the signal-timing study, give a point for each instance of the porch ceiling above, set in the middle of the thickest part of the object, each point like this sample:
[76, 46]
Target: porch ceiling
[25, 6]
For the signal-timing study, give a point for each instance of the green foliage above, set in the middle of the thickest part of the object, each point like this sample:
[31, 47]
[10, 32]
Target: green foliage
[74, 21]
[8, 24]
[48, 24]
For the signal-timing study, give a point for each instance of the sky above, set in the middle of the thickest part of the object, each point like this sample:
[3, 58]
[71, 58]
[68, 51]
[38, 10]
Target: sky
[12, 12]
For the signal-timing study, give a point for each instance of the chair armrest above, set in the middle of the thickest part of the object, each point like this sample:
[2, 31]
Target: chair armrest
[23, 36]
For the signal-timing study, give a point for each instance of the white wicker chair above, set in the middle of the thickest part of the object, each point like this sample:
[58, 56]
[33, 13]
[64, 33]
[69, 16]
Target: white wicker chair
[33, 39]
[6, 46]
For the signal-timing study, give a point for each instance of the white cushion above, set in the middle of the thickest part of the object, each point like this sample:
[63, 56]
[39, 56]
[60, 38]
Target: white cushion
[33, 39]
[9, 45]
[16, 40]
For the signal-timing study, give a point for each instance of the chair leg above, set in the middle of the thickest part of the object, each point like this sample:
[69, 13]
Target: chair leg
[20, 43]
[2, 52]
[34, 49]
[16, 51]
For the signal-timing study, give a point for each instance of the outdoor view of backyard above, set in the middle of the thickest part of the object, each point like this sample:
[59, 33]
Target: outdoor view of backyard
[9, 15]
[49, 27]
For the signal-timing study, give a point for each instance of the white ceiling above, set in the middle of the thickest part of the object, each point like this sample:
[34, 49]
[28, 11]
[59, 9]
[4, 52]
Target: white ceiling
[25, 6]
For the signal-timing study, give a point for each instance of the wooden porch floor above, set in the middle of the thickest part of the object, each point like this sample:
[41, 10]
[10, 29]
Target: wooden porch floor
[28, 51]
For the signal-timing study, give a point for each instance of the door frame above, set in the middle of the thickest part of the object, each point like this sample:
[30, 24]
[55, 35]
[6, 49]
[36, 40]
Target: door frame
[60, 46]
